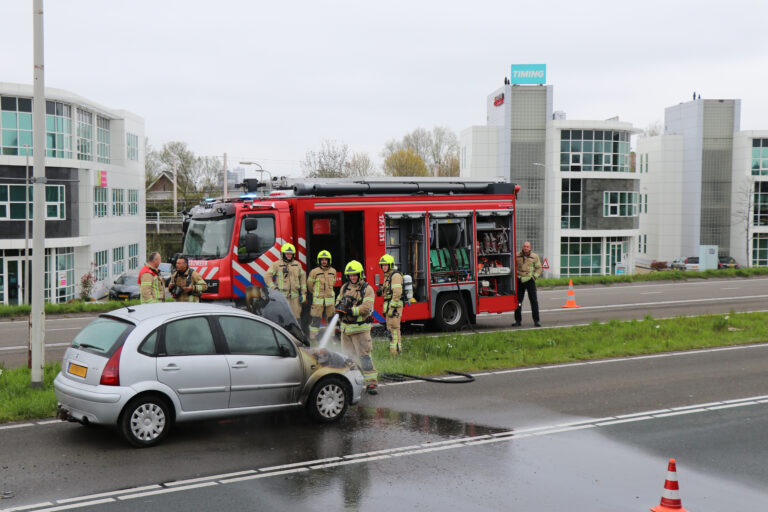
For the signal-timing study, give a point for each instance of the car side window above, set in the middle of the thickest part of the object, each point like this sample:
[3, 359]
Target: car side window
[246, 336]
[190, 336]
[282, 341]
[149, 345]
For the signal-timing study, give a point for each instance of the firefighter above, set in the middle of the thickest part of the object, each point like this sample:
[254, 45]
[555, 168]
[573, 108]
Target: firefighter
[289, 278]
[355, 305]
[151, 284]
[392, 291]
[320, 282]
[186, 285]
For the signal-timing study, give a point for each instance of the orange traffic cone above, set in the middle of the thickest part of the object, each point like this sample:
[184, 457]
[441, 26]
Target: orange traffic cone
[670, 498]
[571, 301]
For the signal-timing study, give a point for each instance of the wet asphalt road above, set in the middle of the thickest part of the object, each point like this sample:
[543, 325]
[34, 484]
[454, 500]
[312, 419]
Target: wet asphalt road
[598, 303]
[585, 436]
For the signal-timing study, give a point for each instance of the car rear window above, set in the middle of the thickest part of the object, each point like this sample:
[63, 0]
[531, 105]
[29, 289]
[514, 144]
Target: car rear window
[102, 336]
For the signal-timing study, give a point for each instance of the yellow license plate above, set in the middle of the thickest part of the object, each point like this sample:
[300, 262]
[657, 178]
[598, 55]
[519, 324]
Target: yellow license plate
[76, 369]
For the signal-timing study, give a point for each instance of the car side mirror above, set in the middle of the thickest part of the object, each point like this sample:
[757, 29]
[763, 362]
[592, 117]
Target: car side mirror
[284, 351]
[250, 224]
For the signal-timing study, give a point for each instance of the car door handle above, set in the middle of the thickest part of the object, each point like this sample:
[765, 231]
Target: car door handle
[171, 368]
[239, 364]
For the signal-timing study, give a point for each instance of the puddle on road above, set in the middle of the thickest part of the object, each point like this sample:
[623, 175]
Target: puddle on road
[415, 422]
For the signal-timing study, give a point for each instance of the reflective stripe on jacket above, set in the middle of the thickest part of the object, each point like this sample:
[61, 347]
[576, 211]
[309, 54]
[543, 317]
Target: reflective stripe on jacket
[288, 277]
[320, 282]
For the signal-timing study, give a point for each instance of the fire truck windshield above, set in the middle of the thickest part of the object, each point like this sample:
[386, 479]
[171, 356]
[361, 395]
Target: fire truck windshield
[208, 238]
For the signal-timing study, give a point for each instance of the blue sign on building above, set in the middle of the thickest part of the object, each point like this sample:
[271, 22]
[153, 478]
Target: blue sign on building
[526, 74]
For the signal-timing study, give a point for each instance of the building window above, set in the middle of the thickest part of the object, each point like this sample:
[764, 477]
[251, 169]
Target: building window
[759, 157]
[100, 199]
[101, 262]
[570, 208]
[646, 163]
[118, 196]
[580, 256]
[760, 213]
[645, 204]
[102, 139]
[58, 130]
[620, 204]
[84, 135]
[65, 274]
[133, 256]
[645, 244]
[133, 202]
[594, 150]
[13, 198]
[16, 125]
[760, 250]
[118, 261]
[132, 146]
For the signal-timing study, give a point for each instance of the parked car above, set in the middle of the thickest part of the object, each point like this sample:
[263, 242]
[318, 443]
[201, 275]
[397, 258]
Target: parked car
[143, 368]
[727, 262]
[125, 287]
[166, 271]
[690, 263]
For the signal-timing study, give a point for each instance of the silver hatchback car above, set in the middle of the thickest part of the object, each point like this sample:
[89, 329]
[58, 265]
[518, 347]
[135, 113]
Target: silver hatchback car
[142, 368]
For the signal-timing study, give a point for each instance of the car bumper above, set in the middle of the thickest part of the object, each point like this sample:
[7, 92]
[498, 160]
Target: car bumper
[355, 378]
[90, 404]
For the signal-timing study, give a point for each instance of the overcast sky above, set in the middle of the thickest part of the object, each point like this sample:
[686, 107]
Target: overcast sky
[267, 81]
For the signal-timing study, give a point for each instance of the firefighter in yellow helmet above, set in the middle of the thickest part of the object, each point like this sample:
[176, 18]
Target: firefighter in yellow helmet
[392, 291]
[287, 276]
[355, 305]
[320, 283]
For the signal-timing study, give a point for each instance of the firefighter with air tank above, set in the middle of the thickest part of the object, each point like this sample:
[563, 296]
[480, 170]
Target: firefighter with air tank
[355, 306]
[287, 276]
[320, 283]
[392, 291]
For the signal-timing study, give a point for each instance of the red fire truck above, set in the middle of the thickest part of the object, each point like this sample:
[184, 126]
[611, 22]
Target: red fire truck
[454, 242]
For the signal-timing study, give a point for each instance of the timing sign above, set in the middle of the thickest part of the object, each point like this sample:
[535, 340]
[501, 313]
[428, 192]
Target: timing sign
[528, 74]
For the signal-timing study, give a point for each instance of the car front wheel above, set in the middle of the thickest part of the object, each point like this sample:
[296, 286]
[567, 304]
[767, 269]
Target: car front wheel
[145, 421]
[328, 400]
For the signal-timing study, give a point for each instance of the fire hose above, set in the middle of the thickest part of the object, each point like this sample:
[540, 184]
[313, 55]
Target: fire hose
[400, 377]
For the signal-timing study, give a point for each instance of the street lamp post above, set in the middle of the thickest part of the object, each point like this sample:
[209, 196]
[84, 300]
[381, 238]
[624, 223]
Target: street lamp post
[175, 165]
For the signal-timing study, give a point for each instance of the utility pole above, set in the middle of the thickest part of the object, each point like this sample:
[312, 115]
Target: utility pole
[175, 165]
[226, 176]
[26, 230]
[37, 315]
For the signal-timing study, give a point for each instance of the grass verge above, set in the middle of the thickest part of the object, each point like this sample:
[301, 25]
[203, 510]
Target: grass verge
[76, 306]
[494, 350]
[20, 402]
[664, 275]
[432, 355]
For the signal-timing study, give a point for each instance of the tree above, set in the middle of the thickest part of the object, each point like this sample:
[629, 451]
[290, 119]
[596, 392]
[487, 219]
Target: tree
[207, 175]
[151, 163]
[359, 165]
[405, 162]
[437, 149]
[653, 129]
[743, 214]
[330, 162]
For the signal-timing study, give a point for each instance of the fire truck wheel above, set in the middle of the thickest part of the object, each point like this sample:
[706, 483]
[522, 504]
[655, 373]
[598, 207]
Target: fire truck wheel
[450, 313]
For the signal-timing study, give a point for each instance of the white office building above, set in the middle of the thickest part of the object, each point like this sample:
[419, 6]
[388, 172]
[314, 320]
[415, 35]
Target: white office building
[579, 203]
[706, 184]
[95, 200]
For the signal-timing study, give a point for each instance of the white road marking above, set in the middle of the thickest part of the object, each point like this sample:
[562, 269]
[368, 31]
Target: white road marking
[651, 293]
[26, 347]
[108, 494]
[402, 451]
[660, 303]
[166, 491]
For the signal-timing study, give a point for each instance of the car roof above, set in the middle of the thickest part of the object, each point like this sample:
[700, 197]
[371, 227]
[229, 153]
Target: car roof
[138, 314]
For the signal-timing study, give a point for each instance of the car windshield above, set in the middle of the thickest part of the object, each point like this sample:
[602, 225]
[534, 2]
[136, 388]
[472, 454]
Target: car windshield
[101, 335]
[126, 279]
[164, 267]
[208, 238]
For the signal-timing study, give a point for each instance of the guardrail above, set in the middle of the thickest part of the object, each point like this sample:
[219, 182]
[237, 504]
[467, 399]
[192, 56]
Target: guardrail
[164, 222]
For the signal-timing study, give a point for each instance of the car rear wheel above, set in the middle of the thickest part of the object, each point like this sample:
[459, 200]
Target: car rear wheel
[328, 400]
[145, 421]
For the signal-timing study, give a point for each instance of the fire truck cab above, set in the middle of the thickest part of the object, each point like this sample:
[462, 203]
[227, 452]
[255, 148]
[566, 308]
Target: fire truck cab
[454, 242]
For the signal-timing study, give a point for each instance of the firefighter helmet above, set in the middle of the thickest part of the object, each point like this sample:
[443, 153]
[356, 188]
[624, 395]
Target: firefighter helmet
[387, 259]
[324, 254]
[287, 248]
[353, 267]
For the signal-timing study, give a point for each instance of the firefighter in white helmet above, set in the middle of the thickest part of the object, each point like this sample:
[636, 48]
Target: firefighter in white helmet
[320, 283]
[355, 305]
[287, 276]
